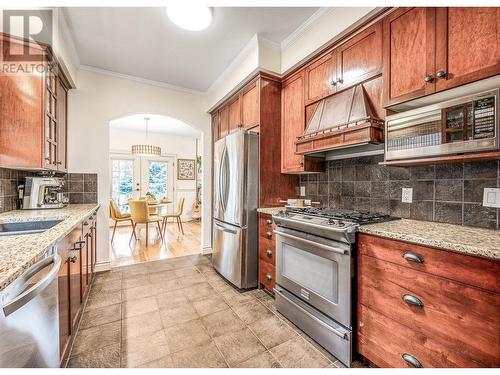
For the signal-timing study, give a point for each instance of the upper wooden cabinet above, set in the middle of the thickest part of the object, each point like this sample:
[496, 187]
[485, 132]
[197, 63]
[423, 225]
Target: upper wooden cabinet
[467, 45]
[320, 78]
[250, 104]
[433, 49]
[215, 127]
[223, 121]
[33, 123]
[234, 114]
[408, 53]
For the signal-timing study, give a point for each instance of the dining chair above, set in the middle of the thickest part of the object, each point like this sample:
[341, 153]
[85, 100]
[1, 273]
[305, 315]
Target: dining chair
[152, 211]
[176, 215]
[139, 211]
[116, 215]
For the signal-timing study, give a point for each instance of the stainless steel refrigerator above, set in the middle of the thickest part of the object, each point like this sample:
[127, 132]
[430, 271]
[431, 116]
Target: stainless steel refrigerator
[235, 220]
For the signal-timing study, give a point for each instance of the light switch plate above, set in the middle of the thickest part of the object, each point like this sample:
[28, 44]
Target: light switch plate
[302, 191]
[407, 195]
[491, 197]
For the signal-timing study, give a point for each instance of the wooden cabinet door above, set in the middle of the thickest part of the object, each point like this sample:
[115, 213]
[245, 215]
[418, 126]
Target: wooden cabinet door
[223, 122]
[292, 122]
[75, 283]
[250, 106]
[234, 114]
[62, 105]
[50, 118]
[409, 54]
[64, 301]
[360, 58]
[85, 263]
[320, 78]
[215, 127]
[467, 45]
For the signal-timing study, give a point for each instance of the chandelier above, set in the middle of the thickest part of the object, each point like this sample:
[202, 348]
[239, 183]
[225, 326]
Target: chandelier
[146, 149]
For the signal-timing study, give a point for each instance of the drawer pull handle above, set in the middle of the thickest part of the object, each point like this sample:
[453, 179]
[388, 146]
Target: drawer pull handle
[413, 257]
[269, 221]
[412, 300]
[269, 252]
[269, 277]
[269, 234]
[411, 360]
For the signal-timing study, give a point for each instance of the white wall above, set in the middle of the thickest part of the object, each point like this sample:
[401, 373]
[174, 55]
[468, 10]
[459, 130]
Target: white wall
[179, 147]
[102, 98]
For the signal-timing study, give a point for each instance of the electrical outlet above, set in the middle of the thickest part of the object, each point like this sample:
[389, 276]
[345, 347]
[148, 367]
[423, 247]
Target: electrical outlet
[407, 195]
[491, 197]
[302, 191]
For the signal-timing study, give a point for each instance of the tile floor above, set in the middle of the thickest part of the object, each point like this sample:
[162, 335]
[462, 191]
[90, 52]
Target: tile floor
[180, 313]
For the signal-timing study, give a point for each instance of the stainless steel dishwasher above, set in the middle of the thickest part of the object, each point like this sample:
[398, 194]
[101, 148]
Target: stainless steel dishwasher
[29, 317]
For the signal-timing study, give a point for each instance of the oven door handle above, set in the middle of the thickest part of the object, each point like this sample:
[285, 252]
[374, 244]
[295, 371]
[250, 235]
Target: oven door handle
[312, 243]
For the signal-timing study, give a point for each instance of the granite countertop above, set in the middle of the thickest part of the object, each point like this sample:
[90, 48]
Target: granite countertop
[18, 252]
[269, 210]
[467, 240]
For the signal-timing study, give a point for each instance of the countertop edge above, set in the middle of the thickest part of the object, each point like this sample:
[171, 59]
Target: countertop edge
[12, 276]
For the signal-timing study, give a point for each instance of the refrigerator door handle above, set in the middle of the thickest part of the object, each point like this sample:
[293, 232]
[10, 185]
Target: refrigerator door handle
[224, 229]
[221, 164]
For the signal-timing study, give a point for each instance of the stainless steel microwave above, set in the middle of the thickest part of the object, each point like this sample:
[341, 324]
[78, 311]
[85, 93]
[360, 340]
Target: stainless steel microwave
[464, 125]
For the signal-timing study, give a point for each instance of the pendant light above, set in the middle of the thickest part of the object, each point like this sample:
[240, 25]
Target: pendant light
[146, 149]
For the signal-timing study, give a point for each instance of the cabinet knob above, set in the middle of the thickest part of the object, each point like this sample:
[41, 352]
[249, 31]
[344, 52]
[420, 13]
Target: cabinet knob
[411, 360]
[269, 234]
[428, 78]
[85, 223]
[412, 300]
[47, 158]
[441, 74]
[73, 259]
[59, 163]
[413, 257]
[269, 221]
[269, 277]
[333, 83]
[269, 252]
[340, 80]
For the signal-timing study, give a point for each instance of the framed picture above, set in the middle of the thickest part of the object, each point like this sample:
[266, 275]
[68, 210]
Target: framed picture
[186, 169]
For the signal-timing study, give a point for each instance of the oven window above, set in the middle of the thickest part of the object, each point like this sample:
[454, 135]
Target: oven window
[313, 272]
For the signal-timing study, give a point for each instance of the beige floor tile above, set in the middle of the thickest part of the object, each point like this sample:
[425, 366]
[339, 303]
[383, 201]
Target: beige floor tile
[205, 355]
[139, 306]
[222, 322]
[161, 276]
[220, 286]
[173, 298]
[108, 286]
[268, 302]
[141, 324]
[144, 349]
[203, 268]
[177, 314]
[165, 362]
[259, 293]
[192, 280]
[101, 299]
[186, 272]
[210, 305]
[186, 335]
[158, 266]
[149, 290]
[235, 298]
[136, 281]
[97, 337]
[238, 346]
[108, 357]
[271, 331]
[101, 315]
[199, 291]
[252, 311]
[262, 360]
[105, 276]
[297, 353]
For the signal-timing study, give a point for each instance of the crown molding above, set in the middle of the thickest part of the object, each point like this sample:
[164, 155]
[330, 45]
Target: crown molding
[306, 25]
[145, 81]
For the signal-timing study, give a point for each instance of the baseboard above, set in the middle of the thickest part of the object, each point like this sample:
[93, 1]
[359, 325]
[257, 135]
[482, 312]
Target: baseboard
[206, 250]
[103, 266]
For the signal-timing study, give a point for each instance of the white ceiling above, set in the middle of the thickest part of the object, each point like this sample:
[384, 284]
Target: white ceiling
[143, 42]
[156, 124]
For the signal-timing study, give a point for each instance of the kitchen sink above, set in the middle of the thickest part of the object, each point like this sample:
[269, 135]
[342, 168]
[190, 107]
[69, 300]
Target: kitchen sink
[26, 227]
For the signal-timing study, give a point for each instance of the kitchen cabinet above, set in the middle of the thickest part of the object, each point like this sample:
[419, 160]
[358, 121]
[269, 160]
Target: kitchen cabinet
[267, 248]
[467, 45]
[215, 127]
[427, 50]
[419, 306]
[33, 122]
[320, 77]
[234, 114]
[250, 110]
[223, 121]
[293, 125]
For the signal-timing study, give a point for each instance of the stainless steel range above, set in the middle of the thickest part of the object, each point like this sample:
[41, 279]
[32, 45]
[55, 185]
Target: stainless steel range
[314, 271]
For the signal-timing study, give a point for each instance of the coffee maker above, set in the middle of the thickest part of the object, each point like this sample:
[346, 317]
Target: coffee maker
[43, 192]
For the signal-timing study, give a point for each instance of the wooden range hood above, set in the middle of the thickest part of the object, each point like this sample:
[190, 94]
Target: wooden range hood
[339, 121]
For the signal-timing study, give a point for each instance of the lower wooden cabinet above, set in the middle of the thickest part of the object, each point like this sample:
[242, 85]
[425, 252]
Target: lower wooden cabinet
[267, 248]
[416, 308]
[78, 253]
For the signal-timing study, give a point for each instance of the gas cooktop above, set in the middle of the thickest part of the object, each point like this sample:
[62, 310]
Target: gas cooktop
[356, 217]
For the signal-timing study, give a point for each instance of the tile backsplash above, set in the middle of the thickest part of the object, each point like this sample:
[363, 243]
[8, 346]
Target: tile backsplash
[81, 187]
[449, 193]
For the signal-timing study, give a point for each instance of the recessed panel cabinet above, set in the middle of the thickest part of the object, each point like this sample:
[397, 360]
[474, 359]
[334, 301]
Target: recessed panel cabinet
[320, 78]
[234, 114]
[250, 102]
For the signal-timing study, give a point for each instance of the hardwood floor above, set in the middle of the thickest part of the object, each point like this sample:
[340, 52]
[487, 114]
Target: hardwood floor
[175, 245]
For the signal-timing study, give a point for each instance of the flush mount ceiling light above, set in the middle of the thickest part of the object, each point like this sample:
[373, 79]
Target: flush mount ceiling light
[193, 17]
[146, 150]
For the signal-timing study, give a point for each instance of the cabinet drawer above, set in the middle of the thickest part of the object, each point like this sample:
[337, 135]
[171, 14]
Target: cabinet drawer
[267, 274]
[266, 228]
[267, 251]
[384, 342]
[460, 317]
[475, 271]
